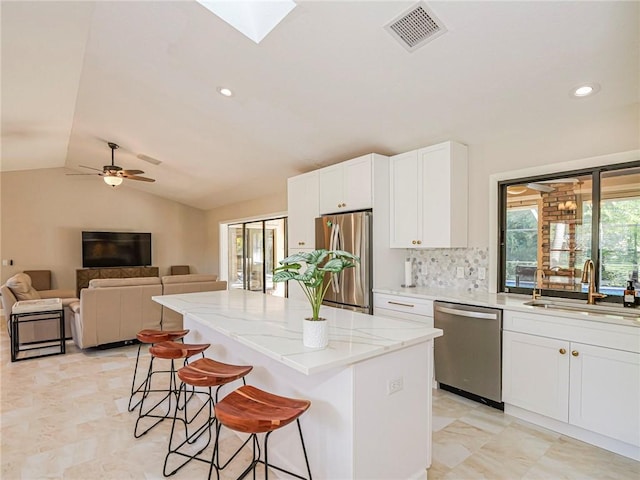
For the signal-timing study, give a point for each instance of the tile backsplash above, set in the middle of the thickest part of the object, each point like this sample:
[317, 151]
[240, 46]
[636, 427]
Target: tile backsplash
[438, 267]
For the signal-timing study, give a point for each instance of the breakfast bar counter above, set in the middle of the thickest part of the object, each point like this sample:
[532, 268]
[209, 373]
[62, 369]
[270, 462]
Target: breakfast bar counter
[370, 389]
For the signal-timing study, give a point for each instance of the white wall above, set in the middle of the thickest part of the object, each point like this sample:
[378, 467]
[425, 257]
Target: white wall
[44, 212]
[547, 144]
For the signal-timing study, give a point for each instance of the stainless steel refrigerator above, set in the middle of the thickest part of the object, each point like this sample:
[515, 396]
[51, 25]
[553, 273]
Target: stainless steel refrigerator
[351, 288]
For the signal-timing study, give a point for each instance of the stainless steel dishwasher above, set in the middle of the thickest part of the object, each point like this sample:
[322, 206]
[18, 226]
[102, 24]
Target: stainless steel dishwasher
[468, 357]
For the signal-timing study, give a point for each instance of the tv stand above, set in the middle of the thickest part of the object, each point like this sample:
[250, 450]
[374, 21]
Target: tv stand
[84, 275]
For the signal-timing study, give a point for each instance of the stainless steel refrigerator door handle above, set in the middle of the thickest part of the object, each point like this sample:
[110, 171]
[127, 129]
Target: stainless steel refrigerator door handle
[464, 313]
[332, 246]
[337, 245]
[363, 232]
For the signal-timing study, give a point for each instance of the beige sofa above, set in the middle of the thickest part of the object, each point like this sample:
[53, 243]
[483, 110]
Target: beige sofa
[114, 310]
[19, 287]
[191, 283]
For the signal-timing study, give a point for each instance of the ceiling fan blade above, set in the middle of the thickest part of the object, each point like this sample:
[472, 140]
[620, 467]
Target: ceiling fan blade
[126, 173]
[540, 188]
[143, 179]
[90, 168]
[560, 180]
[82, 174]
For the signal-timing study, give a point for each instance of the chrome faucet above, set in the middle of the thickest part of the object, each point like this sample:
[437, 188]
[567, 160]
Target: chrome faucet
[536, 285]
[589, 276]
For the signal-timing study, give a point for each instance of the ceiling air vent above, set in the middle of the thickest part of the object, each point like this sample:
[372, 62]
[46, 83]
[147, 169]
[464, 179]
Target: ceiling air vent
[147, 158]
[416, 27]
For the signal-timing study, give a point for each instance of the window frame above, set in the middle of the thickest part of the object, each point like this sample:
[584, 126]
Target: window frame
[595, 173]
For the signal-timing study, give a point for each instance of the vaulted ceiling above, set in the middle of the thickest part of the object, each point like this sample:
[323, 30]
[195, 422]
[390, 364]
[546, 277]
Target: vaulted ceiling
[327, 84]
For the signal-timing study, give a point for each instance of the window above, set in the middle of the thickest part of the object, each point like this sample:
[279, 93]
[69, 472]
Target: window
[551, 225]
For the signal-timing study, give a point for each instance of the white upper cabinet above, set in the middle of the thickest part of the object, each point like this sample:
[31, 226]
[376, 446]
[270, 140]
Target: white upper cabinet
[429, 194]
[347, 186]
[302, 201]
[404, 214]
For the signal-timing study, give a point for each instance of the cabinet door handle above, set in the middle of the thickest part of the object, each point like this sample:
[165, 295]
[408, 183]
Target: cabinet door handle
[562, 351]
[413, 242]
[339, 205]
[300, 243]
[575, 353]
[419, 242]
[401, 304]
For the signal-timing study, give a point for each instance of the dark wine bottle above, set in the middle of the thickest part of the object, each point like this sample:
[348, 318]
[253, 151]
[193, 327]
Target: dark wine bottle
[629, 299]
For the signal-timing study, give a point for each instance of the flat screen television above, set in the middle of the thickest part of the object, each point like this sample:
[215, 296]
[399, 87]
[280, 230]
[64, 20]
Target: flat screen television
[116, 249]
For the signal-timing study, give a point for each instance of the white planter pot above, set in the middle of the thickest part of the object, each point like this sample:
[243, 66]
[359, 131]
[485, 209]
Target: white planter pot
[315, 333]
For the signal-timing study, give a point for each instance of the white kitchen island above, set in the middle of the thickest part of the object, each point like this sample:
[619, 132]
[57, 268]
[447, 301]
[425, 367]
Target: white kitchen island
[357, 427]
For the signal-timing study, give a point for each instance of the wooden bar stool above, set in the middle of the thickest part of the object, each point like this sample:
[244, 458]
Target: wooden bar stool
[173, 351]
[149, 336]
[251, 410]
[206, 373]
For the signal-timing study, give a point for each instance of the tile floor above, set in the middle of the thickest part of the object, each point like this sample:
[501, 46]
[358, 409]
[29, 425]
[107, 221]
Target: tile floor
[473, 441]
[66, 416]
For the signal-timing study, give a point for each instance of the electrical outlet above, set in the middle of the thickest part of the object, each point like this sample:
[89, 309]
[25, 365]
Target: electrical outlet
[460, 272]
[482, 273]
[395, 385]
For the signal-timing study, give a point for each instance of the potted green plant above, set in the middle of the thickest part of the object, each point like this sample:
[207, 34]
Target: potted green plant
[309, 269]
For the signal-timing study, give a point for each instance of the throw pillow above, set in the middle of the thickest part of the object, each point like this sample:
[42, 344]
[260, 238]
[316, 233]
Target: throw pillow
[20, 285]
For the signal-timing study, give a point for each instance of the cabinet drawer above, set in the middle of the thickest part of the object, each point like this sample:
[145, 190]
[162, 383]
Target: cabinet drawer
[590, 332]
[416, 306]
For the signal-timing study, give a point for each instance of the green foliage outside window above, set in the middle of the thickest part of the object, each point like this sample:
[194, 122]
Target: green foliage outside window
[521, 239]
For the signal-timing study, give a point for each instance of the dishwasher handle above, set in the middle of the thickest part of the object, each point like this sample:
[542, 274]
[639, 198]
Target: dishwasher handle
[466, 313]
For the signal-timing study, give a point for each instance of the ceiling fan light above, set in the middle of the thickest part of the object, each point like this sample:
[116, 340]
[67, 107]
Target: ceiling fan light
[516, 189]
[113, 181]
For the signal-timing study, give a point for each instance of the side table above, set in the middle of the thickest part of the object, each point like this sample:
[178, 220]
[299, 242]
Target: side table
[31, 311]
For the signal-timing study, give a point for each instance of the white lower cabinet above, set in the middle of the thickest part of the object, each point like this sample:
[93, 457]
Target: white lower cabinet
[535, 374]
[605, 392]
[589, 378]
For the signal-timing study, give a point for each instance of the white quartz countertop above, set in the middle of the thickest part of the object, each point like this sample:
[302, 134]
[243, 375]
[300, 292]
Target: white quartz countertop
[273, 326]
[509, 301]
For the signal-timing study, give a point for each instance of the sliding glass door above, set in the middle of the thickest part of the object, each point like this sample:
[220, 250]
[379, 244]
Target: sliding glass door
[255, 248]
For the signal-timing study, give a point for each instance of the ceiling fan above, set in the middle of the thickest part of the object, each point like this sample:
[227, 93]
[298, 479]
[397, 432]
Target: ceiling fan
[114, 175]
[540, 186]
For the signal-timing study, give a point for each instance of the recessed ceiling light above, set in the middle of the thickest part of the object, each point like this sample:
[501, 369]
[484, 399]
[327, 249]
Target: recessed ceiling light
[225, 91]
[585, 90]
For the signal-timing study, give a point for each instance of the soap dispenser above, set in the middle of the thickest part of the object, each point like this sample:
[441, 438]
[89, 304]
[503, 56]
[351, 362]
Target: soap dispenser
[629, 299]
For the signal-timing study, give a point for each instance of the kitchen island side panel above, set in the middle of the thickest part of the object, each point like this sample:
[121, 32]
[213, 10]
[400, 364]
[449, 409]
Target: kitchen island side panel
[392, 414]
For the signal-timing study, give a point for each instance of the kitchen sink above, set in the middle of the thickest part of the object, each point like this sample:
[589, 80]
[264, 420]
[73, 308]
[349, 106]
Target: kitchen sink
[582, 307]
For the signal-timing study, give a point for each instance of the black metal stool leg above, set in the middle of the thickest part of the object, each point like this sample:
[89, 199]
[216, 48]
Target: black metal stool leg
[172, 391]
[304, 450]
[215, 460]
[190, 438]
[266, 456]
[134, 389]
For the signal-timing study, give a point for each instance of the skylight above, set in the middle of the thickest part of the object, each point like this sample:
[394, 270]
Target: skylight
[254, 19]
